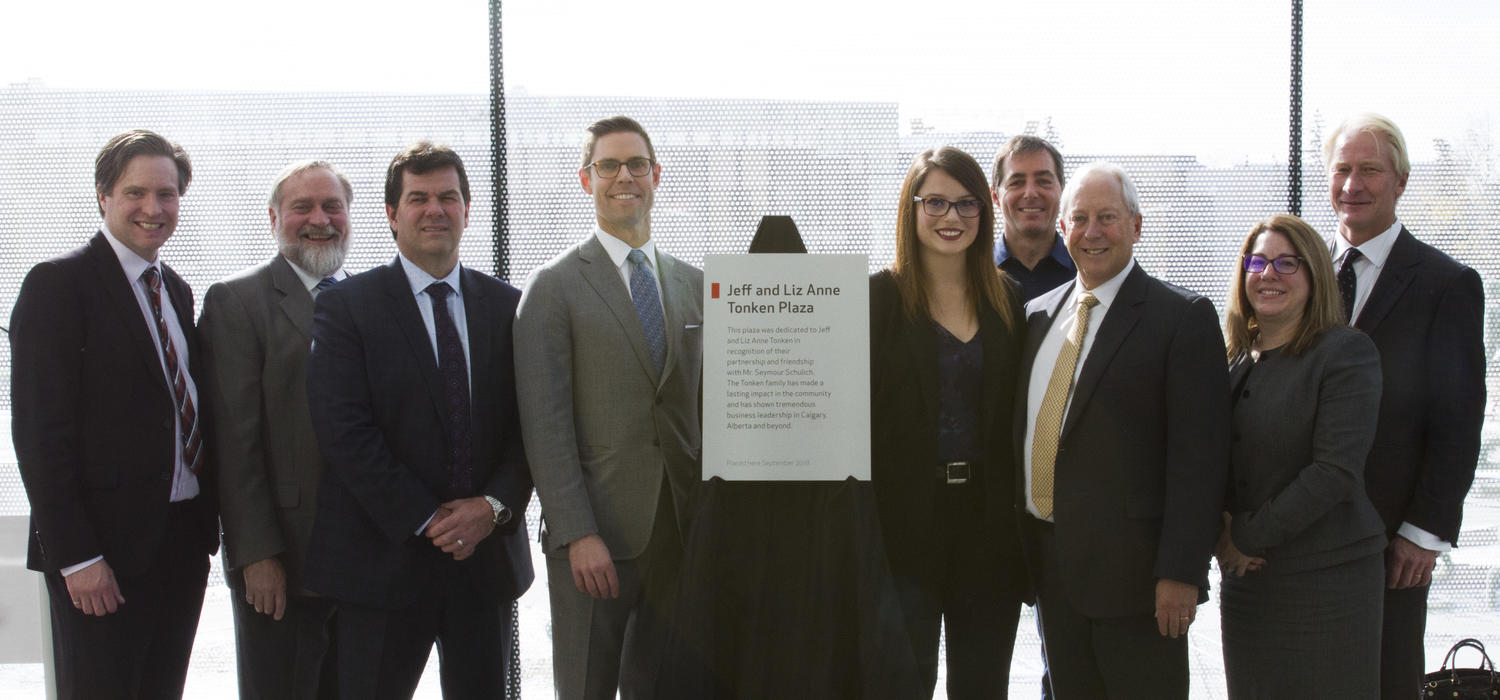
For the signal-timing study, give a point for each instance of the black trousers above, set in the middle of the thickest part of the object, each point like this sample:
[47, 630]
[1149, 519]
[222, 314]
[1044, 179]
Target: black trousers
[288, 659]
[1402, 650]
[955, 588]
[381, 653]
[1101, 657]
[139, 652]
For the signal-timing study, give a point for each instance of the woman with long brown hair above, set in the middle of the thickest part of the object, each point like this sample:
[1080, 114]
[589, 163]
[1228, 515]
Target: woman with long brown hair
[945, 333]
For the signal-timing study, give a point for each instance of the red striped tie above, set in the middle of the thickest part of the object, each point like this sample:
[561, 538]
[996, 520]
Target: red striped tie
[187, 416]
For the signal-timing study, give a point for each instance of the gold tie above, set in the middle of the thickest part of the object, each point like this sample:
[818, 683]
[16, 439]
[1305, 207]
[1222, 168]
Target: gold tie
[1049, 419]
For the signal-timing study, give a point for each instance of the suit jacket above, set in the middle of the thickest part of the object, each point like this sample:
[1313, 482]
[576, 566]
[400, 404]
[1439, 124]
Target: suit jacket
[377, 405]
[904, 396]
[93, 417]
[1144, 451]
[1426, 316]
[602, 426]
[257, 328]
[1303, 425]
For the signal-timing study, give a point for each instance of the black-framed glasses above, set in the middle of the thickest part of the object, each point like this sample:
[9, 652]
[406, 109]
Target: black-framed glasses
[609, 167]
[937, 206]
[1283, 264]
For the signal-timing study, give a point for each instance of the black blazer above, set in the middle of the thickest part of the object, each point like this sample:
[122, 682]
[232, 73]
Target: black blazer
[376, 400]
[93, 416]
[1303, 425]
[1144, 451]
[904, 430]
[1426, 316]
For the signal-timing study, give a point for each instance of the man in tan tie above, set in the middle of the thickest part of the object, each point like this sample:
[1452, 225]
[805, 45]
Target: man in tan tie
[1125, 452]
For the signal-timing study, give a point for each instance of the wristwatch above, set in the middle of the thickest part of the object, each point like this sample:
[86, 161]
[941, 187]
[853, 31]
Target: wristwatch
[502, 514]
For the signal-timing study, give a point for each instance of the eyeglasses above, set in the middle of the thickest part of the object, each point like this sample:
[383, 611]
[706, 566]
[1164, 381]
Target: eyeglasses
[609, 167]
[937, 206]
[1283, 265]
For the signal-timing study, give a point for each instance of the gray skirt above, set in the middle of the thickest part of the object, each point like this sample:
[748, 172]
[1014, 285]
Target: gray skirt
[1304, 634]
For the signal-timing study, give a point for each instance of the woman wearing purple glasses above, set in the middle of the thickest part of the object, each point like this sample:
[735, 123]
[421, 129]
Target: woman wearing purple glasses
[1300, 555]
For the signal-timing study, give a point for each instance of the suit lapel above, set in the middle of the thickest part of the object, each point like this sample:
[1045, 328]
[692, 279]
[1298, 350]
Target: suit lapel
[1405, 256]
[296, 301]
[1118, 321]
[676, 292]
[126, 308]
[601, 274]
[403, 307]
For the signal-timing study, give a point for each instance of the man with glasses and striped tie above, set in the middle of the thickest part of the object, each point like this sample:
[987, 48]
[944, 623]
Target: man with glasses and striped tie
[257, 327]
[109, 433]
[608, 361]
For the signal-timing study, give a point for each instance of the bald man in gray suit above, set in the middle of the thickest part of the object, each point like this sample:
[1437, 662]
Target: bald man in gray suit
[608, 342]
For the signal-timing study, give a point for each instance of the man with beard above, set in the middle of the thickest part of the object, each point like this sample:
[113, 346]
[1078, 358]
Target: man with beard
[257, 326]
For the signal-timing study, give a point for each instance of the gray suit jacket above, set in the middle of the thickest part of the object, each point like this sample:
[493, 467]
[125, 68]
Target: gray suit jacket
[257, 328]
[601, 427]
[1303, 426]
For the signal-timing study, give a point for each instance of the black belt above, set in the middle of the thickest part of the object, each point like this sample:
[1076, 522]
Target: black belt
[955, 472]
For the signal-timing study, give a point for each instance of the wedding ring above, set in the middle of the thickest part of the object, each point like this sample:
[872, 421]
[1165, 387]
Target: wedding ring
[460, 543]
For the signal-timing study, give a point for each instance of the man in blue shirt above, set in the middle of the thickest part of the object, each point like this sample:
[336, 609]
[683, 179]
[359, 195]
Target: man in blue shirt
[1027, 185]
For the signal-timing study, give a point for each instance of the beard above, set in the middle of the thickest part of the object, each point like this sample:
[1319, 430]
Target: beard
[318, 260]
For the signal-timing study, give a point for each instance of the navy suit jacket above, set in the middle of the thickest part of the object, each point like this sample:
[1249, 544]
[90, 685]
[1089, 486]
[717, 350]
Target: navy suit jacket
[94, 418]
[1426, 316]
[1143, 458]
[377, 406]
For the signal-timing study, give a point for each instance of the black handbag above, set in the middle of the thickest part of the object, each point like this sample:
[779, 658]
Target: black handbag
[1463, 683]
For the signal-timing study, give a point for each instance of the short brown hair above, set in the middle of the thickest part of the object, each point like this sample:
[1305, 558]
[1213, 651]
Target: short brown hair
[613, 125]
[120, 150]
[1324, 309]
[421, 158]
[1025, 143]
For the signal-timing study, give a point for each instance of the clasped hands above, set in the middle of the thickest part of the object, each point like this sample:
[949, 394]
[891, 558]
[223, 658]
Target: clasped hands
[460, 525]
[1231, 559]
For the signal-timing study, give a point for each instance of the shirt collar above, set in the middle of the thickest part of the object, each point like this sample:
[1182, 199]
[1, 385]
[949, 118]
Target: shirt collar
[310, 281]
[1106, 292]
[420, 280]
[1059, 252]
[133, 264]
[1376, 250]
[618, 249]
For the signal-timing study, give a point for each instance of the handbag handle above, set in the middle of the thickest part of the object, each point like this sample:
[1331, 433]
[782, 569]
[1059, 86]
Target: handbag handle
[1475, 644]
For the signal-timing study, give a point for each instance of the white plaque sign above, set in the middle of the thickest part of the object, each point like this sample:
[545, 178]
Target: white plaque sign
[786, 367]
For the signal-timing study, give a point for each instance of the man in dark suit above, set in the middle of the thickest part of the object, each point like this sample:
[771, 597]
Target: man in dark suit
[108, 431]
[1425, 313]
[412, 393]
[1125, 432]
[257, 327]
[1027, 187]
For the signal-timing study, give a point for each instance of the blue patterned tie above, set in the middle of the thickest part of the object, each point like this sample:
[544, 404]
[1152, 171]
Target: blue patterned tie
[648, 307]
[455, 373]
[325, 283]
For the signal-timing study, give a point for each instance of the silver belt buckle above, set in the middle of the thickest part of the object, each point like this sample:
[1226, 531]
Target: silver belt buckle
[956, 472]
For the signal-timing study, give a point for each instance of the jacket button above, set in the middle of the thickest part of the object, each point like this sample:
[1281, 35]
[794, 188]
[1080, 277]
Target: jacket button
[656, 442]
[1245, 395]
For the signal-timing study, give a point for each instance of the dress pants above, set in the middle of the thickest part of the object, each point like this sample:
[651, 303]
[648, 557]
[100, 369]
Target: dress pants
[1402, 650]
[287, 659]
[381, 653]
[956, 588]
[139, 652]
[1112, 658]
[601, 645]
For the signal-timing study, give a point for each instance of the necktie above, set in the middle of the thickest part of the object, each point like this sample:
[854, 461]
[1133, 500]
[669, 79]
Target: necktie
[1050, 417]
[323, 284]
[648, 307]
[1347, 283]
[187, 415]
[455, 373]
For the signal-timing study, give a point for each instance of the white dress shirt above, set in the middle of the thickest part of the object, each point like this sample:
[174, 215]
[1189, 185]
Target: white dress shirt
[1367, 269]
[1046, 358]
[310, 281]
